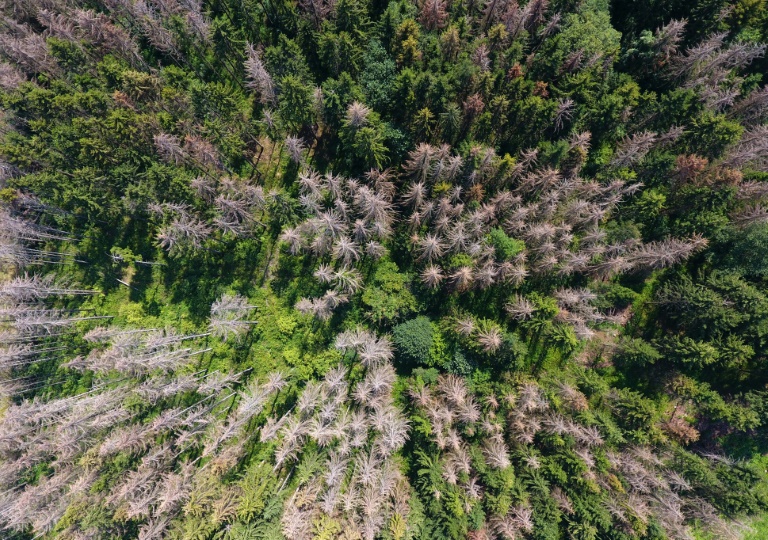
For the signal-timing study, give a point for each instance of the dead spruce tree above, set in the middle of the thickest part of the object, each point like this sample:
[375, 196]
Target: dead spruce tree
[228, 315]
[470, 433]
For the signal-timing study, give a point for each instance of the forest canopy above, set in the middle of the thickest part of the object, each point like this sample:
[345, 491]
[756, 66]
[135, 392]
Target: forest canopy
[367, 269]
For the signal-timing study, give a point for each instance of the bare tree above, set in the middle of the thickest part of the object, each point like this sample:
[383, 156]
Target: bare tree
[752, 149]
[432, 276]
[463, 278]
[632, 149]
[753, 109]
[318, 10]
[490, 339]
[295, 147]
[258, 77]
[481, 58]
[202, 152]
[10, 77]
[415, 195]
[375, 250]
[430, 248]
[346, 250]
[17, 229]
[228, 315]
[667, 252]
[357, 114]
[292, 237]
[750, 216]
[34, 321]
[496, 454]
[29, 52]
[182, 231]
[564, 112]
[520, 308]
[170, 149]
[668, 38]
[420, 161]
[348, 280]
[433, 14]
[31, 288]
[151, 23]
[99, 30]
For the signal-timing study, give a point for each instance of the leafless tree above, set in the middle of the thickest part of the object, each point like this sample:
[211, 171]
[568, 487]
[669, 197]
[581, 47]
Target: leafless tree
[667, 252]
[318, 10]
[375, 351]
[481, 58]
[632, 149]
[32, 288]
[58, 25]
[553, 24]
[17, 229]
[375, 250]
[34, 321]
[415, 195]
[753, 109]
[357, 114]
[202, 152]
[496, 454]
[295, 147]
[182, 231]
[346, 250]
[520, 308]
[29, 51]
[490, 339]
[258, 77]
[668, 38]
[332, 224]
[564, 112]
[419, 161]
[430, 248]
[324, 274]
[292, 237]
[750, 216]
[348, 280]
[10, 77]
[463, 278]
[432, 276]
[228, 315]
[751, 149]
[150, 20]
[170, 149]
[466, 326]
[433, 14]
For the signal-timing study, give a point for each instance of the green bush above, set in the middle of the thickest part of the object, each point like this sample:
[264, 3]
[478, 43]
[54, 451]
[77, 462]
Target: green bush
[636, 353]
[505, 247]
[414, 340]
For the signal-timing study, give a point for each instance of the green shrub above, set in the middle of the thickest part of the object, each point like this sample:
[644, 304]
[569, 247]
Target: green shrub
[505, 247]
[636, 353]
[414, 340]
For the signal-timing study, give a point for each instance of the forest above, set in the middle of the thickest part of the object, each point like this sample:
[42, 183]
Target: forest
[384, 269]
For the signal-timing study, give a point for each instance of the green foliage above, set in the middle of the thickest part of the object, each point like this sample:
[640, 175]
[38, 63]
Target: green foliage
[711, 134]
[589, 31]
[414, 340]
[635, 414]
[505, 247]
[746, 251]
[636, 353]
[614, 296]
[377, 77]
[295, 102]
[388, 297]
